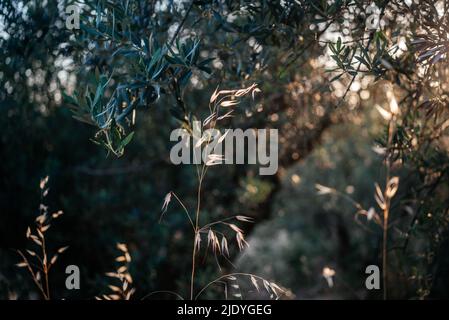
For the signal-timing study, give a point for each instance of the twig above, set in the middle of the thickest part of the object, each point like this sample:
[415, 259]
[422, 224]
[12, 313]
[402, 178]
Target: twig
[181, 24]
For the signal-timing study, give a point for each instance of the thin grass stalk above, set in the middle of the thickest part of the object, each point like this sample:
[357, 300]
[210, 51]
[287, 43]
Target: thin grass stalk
[386, 211]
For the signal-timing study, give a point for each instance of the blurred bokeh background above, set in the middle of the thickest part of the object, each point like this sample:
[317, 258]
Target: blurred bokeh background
[331, 134]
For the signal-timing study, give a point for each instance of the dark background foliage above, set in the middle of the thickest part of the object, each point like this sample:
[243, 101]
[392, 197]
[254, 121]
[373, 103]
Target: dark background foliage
[327, 122]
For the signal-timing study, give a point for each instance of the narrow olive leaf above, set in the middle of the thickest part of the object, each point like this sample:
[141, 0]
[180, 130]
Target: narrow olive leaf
[21, 264]
[45, 228]
[127, 257]
[336, 77]
[28, 233]
[392, 187]
[31, 253]
[38, 276]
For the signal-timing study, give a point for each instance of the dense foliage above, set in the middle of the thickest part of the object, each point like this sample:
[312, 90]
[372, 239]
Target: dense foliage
[135, 70]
